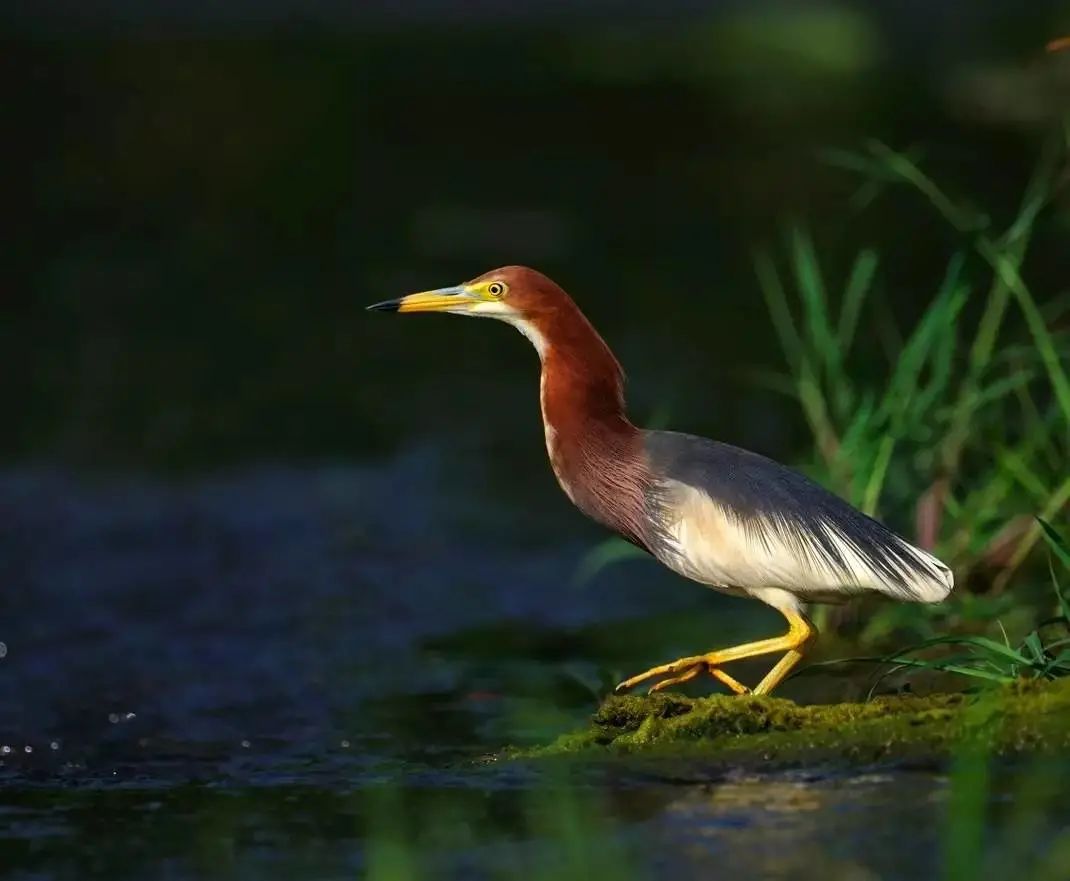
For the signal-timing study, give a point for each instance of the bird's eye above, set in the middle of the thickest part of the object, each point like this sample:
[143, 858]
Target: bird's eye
[496, 289]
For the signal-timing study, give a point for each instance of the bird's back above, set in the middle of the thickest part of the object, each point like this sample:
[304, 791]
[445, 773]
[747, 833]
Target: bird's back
[737, 520]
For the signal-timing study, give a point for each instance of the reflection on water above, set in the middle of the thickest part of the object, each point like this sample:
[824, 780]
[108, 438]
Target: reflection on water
[272, 675]
[296, 673]
[289, 608]
[790, 827]
[824, 828]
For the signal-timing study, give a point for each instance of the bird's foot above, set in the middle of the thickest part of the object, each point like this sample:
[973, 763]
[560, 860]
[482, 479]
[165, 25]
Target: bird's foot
[682, 671]
[734, 684]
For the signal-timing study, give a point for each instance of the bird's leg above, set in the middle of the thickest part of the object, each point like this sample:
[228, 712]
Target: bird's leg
[734, 684]
[800, 632]
[781, 669]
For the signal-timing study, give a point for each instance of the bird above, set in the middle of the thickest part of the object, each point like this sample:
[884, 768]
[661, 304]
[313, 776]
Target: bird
[720, 515]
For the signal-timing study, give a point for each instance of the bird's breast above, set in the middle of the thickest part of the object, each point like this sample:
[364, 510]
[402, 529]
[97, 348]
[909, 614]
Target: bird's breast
[605, 483]
[596, 454]
[553, 447]
[559, 466]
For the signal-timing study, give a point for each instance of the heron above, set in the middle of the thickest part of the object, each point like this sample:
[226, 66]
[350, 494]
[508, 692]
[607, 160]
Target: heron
[722, 516]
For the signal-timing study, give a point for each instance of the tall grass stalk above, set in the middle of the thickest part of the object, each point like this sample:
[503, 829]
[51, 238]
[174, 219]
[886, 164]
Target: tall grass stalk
[968, 432]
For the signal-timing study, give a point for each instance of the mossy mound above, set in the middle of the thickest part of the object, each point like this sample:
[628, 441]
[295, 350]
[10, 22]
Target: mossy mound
[1025, 717]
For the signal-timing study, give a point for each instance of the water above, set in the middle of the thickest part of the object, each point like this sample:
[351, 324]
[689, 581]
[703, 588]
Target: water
[300, 672]
[274, 673]
[849, 827]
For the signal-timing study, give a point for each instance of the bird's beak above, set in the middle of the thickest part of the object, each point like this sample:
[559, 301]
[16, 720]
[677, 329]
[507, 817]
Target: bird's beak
[454, 299]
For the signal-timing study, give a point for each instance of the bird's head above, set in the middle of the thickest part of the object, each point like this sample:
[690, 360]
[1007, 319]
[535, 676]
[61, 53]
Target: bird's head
[537, 307]
[520, 296]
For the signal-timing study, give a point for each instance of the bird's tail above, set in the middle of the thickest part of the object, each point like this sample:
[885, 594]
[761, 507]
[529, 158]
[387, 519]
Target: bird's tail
[928, 580]
[872, 556]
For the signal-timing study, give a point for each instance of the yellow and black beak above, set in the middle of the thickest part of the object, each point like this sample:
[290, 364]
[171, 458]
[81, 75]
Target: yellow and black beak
[454, 299]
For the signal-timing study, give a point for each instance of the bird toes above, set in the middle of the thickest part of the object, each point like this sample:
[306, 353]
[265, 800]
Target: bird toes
[676, 667]
[682, 671]
[687, 675]
[733, 684]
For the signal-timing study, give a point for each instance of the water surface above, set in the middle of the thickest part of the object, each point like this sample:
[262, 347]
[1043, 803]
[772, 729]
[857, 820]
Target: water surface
[273, 674]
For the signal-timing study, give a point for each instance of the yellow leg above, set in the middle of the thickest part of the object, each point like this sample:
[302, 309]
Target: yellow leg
[733, 683]
[781, 669]
[686, 676]
[689, 674]
[800, 632]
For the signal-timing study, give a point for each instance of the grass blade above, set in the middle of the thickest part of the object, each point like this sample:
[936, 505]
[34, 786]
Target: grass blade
[604, 554]
[779, 311]
[859, 282]
[1056, 542]
[814, 298]
[871, 495]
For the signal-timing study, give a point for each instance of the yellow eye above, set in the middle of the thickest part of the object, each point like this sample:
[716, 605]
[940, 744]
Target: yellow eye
[496, 289]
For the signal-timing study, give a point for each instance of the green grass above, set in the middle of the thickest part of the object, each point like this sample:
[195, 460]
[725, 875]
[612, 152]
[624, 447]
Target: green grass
[954, 430]
[961, 440]
[1043, 653]
[653, 753]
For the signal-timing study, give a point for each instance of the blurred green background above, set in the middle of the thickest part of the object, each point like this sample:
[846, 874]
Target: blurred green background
[202, 203]
[262, 552]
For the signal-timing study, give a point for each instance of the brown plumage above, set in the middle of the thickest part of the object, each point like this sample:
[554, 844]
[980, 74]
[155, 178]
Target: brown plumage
[722, 516]
[594, 449]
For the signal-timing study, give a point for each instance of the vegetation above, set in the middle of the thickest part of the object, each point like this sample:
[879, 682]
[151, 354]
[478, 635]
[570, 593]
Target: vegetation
[573, 831]
[768, 732]
[959, 436]
[201, 224]
[967, 434]
[1043, 653]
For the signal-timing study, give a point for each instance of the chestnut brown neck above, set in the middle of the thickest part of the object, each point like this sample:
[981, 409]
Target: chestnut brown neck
[595, 451]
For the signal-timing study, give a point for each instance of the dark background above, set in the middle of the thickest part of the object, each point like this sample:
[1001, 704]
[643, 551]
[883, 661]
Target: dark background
[196, 221]
[261, 550]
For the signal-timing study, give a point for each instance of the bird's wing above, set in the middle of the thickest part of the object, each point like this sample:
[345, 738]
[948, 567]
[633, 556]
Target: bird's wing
[732, 518]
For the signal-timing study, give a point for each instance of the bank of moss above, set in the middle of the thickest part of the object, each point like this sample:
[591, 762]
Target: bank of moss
[743, 731]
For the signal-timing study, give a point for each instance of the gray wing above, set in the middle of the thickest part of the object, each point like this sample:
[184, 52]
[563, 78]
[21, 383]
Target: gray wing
[744, 517]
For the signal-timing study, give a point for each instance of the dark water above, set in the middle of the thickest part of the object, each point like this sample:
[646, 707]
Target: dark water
[282, 672]
[274, 674]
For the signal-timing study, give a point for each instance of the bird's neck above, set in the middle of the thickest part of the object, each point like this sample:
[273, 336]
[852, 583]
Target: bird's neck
[595, 451]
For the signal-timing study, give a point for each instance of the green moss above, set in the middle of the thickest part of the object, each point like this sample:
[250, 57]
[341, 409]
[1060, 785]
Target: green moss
[1024, 717]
